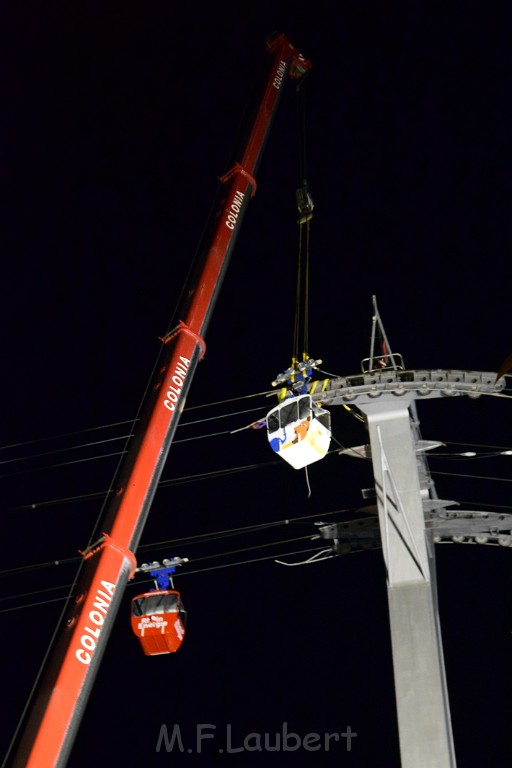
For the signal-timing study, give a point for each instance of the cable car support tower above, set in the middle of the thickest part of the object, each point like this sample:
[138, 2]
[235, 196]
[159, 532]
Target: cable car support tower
[408, 514]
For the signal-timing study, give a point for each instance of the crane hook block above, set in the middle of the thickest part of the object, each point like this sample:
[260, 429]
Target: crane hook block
[305, 203]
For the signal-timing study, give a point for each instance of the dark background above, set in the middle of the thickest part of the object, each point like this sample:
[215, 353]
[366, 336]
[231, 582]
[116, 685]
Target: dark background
[116, 121]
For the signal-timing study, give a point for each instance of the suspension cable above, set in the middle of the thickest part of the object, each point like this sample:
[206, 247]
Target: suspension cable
[125, 422]
[187, 573]
[186, 541]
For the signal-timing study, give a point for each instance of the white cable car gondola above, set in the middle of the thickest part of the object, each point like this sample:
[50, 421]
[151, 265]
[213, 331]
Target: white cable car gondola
[299, 431]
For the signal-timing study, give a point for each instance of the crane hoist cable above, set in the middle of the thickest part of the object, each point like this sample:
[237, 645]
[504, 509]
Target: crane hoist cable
[305, 207]
[297, 377]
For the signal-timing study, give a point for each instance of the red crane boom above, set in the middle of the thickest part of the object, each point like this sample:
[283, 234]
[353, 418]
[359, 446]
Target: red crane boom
[47, 739]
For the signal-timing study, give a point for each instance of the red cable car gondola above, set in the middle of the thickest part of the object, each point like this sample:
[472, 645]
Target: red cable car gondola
[158, 619]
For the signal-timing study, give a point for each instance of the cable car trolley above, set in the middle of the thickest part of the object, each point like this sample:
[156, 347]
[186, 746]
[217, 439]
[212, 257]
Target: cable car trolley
[299, 431]
[158, 617]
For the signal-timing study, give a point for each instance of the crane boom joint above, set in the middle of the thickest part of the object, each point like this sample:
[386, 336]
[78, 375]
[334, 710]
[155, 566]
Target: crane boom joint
[107, 541]
[184, 328]
[239, 170]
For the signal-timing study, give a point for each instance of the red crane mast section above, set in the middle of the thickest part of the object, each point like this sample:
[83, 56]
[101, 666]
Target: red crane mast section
[54, 718]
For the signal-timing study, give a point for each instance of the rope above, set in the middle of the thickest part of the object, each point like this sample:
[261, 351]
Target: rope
[305, 345]
[296, 328]
[45, 467]
[187, 541]
[305, 208]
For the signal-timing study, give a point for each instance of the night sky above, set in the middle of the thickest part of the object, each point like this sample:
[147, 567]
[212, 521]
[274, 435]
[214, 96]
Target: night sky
[116, 121]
